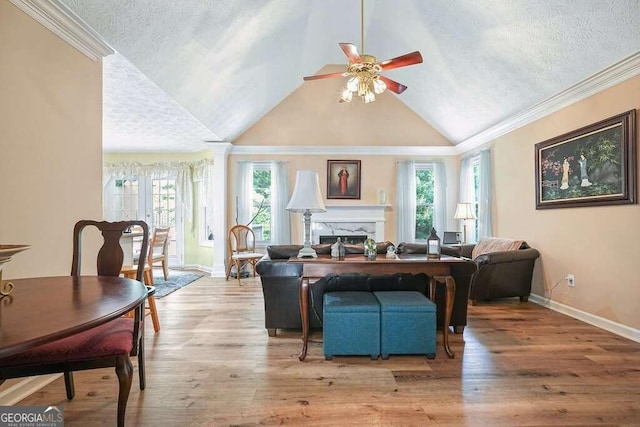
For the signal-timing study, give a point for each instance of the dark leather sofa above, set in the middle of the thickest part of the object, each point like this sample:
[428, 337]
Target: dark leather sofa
[462, 274]
[501, 274]
[280, 285]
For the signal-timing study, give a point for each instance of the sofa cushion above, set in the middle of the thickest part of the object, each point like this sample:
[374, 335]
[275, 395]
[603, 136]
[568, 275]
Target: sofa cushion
[288, 251]
[495, 244]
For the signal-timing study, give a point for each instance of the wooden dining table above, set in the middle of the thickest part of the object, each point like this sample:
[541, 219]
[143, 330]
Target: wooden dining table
[44, 309]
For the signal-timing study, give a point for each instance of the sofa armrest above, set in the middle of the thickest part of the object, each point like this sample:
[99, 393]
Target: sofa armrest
[507, 256]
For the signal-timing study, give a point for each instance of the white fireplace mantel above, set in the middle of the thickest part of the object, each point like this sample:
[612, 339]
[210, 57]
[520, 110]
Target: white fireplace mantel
[349, 220]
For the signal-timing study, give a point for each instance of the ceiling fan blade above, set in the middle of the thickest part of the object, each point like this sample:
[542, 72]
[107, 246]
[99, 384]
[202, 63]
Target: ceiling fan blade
[323, 76]
[392, 85]
[351, 51]
[402, 61]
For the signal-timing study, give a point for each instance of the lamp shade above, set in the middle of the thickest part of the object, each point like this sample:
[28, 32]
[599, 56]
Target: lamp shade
[464, 211]
[306, 193]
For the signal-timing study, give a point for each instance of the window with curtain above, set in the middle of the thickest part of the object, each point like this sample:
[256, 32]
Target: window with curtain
[424, 201]
[261, 202]
[202, 178]
[263, 193]
[475, 167]
[476, 188]
[421, 200]
[205, 231]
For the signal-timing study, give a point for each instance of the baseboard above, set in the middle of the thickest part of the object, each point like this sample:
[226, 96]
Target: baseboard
[25, 388]
[194, 267]
[592, 319]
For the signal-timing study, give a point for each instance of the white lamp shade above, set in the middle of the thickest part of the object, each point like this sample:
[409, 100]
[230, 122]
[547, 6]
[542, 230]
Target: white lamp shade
[306, 193]
[464, 211]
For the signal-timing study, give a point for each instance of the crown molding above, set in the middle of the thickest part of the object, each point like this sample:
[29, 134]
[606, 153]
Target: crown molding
[219, 147]
[611, 76]
[66, 25]
[388, 150]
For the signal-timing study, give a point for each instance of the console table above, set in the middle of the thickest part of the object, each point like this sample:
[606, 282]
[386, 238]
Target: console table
[316, 268]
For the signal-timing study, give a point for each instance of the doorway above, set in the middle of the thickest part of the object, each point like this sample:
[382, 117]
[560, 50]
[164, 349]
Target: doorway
[155, 201]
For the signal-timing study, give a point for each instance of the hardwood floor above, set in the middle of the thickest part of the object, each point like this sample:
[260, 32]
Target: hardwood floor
[213, 364]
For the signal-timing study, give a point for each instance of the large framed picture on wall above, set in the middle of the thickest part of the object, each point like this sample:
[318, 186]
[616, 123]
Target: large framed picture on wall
[592, 166]
[343, 179]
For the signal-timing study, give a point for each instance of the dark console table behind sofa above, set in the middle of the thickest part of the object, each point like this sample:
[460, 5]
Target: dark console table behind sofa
[280, 284]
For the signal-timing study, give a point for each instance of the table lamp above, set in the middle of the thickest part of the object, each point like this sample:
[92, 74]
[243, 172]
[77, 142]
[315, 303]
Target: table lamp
[464, 211]
[307, 199]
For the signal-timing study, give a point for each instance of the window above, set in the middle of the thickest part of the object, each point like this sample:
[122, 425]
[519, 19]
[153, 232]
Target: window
[163, 192]
[205, 212]
[126, 199]
[424, 200]
[261, 202]
[476, 188]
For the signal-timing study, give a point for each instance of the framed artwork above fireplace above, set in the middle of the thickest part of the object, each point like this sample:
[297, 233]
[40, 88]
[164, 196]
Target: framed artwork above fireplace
[343, 179]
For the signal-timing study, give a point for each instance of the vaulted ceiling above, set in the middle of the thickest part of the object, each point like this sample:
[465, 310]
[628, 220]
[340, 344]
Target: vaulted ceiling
[191, 70]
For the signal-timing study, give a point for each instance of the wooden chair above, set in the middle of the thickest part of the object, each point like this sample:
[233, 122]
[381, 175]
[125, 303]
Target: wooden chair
[108, 345]
[241, 246]
[131, 272]
[158, 252]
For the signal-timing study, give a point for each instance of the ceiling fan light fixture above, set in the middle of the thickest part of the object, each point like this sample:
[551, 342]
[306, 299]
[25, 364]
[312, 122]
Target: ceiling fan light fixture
[347, 96]
[379, 86]
[363, 86]
[352, 84]
[364, 71]
[369, 97]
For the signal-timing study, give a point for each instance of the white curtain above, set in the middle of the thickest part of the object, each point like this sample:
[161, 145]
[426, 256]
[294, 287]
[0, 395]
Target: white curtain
[184, 190]
[406, 201]
[467, 193]
[244, 189]
[108, 197]
[485, 195]
[466, 181]
[280, 217]
[203, 175]
[440, 198]
[182, 172]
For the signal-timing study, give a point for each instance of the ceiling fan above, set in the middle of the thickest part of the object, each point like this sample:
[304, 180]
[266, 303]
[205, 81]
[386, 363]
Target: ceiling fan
[364, 71]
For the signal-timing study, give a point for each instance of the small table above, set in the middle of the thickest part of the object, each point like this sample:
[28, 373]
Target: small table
[126, 242]
[324, 265]
[44, 309]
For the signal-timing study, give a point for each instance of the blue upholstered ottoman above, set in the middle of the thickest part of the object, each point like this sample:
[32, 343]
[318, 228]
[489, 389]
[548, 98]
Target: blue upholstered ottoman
[351, 324]
[408, 323]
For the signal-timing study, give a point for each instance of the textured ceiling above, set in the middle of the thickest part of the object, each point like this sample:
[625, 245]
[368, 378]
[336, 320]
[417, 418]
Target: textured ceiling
[229, 62]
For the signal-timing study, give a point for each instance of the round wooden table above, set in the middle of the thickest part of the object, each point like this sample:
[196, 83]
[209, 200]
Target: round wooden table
[44, 309]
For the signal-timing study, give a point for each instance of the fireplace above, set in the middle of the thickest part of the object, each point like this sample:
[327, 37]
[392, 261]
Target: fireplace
[349, 222]
[350, 239]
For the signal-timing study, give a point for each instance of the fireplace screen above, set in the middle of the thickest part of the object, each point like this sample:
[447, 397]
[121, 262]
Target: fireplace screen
[349, 239]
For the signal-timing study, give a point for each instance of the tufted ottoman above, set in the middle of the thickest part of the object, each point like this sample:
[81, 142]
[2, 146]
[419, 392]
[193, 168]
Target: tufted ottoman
[351, 324]
[408, 323]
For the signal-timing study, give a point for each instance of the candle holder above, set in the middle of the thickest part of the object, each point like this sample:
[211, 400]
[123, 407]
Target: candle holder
[6, 252]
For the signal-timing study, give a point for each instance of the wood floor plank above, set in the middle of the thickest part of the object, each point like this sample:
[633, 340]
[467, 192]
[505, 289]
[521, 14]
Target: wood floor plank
[213, 364]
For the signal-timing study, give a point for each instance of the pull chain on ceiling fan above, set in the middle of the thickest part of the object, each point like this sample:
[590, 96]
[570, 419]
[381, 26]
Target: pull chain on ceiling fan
[364, 71]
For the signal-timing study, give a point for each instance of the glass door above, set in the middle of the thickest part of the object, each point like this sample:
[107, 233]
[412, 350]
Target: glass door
[154, 201]
[162, 211]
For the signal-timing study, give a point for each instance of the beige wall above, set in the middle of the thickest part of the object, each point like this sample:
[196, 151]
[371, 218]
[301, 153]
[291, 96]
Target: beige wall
[309, 117]
[50, 143]
[377, 173]
[597, 244]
